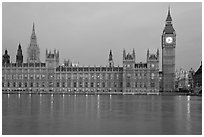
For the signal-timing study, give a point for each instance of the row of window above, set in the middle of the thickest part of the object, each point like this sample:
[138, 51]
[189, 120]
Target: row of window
[23, 70]
[25, 76]
[69, 76]
[75, 84]
[139, 85]
[60, 68]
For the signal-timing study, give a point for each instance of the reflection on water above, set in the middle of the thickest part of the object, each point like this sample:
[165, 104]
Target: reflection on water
[100, 114]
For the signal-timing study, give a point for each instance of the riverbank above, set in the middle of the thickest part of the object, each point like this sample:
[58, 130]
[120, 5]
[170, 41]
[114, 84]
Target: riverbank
[106, 93]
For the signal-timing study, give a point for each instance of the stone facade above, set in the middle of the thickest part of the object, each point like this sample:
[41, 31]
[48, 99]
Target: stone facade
[132, 77]
[168, 55]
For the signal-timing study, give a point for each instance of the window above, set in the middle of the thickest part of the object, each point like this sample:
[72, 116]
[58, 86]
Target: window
[103, 76]
[115, 84]
[31, 84]
[121, 84]
[128, 85]
[14, 84]
[104, 84]
[109, 76]
[25, 76]
[141, 84]
[135, 84]
[75, 84]
[152, 75]
[37, 76]
[98, 76]
[80, 76]
[37, 84]
[74, 76]
[19, 84]
[63, 84]
[43, 84]
[98, 84]
[50, 84]
[92, 84]
[86, 84]
[31, 76]
[58, 84]
[8, 84]
[80, 84]
[152, 84]
[92, 76]
[25, 84]
[2, 84]
[43, 76]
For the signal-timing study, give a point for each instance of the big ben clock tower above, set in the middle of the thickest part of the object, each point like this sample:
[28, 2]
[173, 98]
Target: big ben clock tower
[168, 55]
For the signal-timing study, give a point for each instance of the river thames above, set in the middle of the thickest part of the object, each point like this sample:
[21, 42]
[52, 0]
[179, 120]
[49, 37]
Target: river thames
[101, 114]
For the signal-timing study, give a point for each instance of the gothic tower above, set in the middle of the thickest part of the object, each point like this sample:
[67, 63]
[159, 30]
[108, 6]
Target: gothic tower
[52, 59]
[6, 58]
[168, 55]
[110, 59]
[33, 49]
[128, 71]
[19, 56]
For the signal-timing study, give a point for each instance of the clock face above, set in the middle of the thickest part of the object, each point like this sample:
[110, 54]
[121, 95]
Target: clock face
[169, 40]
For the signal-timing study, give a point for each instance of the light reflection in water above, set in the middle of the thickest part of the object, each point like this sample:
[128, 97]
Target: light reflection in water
[51, 105]
[40, 102]
[86, 104]
[106, 112]
[19, 96]
[188, 114]
[98, 106]
[188, 108]
[110, 104]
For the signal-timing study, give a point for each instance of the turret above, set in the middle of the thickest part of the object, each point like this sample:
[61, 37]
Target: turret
[133, 54]
[19, 56]
[110, 59]
[52, 59]
[6, 58]
[124, 54]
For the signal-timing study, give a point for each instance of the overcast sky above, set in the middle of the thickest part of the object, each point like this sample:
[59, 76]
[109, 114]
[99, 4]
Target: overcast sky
[85, 32]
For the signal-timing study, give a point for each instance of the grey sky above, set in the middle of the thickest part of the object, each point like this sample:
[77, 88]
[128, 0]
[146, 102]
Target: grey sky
[85, 32]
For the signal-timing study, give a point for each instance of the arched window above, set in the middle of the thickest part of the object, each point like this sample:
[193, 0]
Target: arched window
[25, 84]
[19, 84]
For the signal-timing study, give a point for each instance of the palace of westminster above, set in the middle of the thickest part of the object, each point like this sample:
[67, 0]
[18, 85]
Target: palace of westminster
[37, 76]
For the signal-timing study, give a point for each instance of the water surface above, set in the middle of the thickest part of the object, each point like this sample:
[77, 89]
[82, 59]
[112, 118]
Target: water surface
[101, 114]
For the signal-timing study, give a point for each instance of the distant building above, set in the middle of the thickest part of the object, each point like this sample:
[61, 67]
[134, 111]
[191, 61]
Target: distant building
[190, 79]
[182, 80]
[197, 77]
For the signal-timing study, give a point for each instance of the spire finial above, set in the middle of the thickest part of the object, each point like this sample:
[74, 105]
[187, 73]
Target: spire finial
[33, 27]
[110, 55]
[169, 15]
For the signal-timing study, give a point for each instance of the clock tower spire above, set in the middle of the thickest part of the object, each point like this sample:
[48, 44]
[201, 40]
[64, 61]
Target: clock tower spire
[168, 54]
